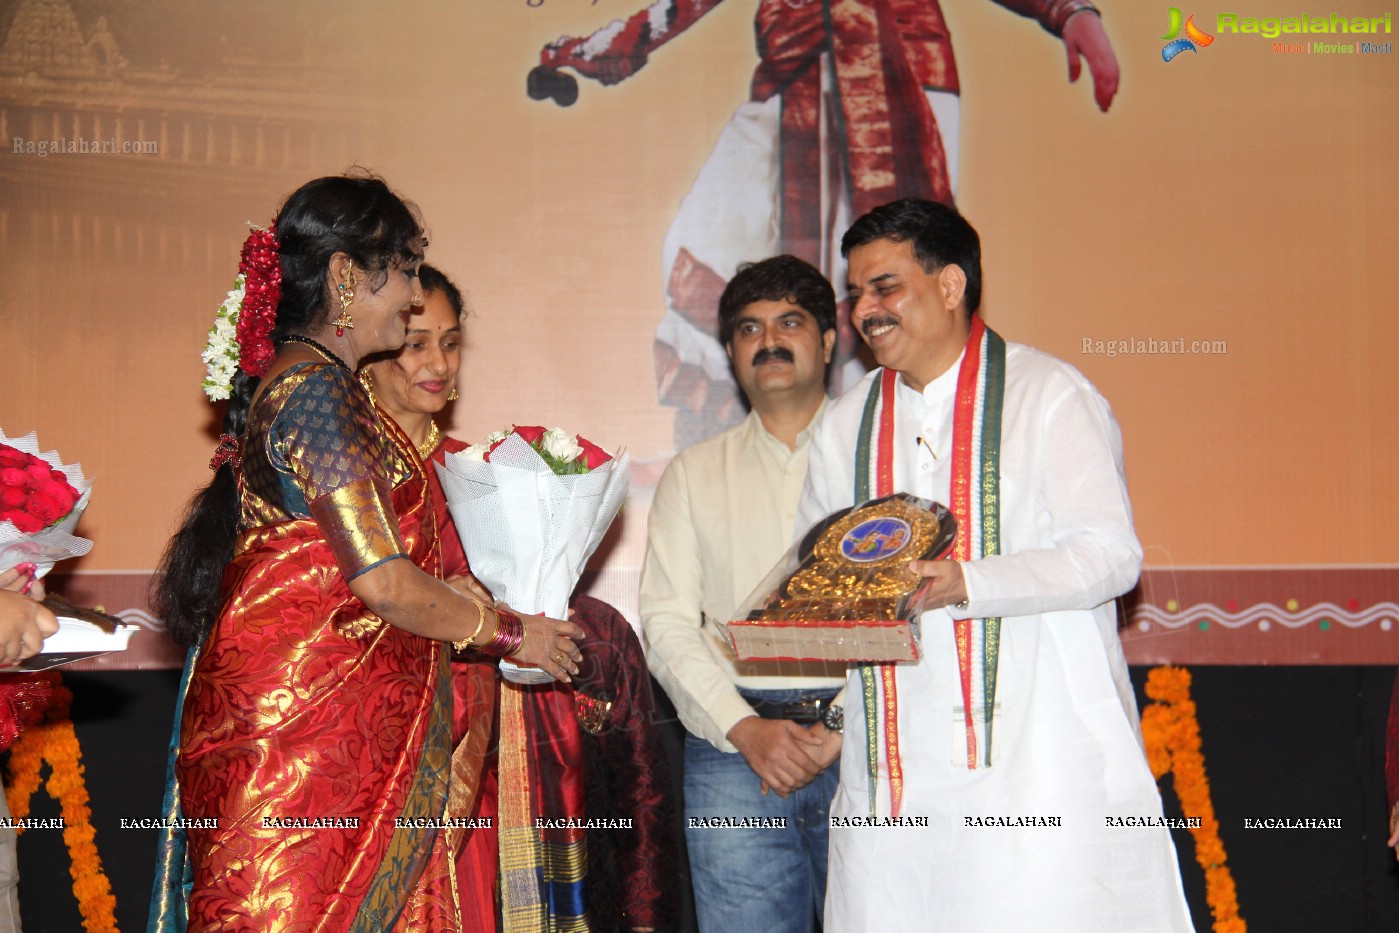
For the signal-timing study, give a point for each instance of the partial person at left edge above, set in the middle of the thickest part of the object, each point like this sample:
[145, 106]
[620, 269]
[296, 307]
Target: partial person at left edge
[1391, 769]
[315, 712]
[24, 624]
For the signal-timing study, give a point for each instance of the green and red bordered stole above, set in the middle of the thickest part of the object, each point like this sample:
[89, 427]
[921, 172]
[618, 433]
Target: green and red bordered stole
[976, 503]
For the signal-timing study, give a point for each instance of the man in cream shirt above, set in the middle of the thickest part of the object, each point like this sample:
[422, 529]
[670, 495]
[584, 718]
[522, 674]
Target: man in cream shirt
[757, 789]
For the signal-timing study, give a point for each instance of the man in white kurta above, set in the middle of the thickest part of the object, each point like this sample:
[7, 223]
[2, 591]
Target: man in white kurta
[1026, 843]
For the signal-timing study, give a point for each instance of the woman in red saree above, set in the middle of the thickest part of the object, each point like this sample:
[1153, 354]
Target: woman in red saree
[564, 756]
[315, 735]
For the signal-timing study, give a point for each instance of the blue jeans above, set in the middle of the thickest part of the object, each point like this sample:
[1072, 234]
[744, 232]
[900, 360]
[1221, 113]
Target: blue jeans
[755, 880]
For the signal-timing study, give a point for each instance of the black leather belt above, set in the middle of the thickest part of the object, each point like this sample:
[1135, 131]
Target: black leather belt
[806, 711]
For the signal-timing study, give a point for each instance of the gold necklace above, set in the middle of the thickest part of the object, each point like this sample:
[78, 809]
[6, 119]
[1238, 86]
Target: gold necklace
[434, 437]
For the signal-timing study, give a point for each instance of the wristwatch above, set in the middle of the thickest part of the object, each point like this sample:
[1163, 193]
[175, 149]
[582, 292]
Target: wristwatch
[834, 718]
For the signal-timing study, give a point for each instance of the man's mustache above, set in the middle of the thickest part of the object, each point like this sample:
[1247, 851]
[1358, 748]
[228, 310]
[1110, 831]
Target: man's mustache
[768, 354]
[874, 322]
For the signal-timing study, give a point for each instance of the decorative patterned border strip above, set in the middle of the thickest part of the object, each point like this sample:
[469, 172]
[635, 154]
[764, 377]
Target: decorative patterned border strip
[1263, 615]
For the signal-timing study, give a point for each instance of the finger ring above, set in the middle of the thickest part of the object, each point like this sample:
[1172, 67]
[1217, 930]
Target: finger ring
[558, 659]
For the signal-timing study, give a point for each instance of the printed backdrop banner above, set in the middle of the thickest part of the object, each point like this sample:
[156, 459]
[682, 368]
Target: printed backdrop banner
[1214, 251]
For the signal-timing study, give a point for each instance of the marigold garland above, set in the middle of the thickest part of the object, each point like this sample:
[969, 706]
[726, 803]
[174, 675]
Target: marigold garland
[54, 740]
[1172, 736]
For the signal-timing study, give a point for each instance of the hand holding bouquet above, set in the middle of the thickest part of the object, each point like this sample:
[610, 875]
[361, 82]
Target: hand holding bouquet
[531, 506]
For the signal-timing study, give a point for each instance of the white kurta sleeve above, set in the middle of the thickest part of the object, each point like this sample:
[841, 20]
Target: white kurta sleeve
[1089, 553]
[829, 481]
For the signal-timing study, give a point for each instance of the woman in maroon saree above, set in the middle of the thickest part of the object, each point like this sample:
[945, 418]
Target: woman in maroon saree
[572, 778]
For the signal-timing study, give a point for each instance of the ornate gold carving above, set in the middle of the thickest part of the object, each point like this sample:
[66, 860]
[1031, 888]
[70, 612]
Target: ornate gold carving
[858, 566]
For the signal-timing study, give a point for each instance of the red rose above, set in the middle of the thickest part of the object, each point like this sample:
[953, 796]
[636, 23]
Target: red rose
[23, 521]
[54, 483]
[529, 433]
[11, 498]
[9, 457]
[61, 493]
[14, 477]
[593, 455]
[46, 507]
[38, 471]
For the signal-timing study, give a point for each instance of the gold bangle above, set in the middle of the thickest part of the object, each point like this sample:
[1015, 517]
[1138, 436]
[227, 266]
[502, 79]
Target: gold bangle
[462, 644]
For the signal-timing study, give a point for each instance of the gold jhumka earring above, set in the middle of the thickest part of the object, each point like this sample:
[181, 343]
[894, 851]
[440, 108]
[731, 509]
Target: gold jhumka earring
[347, 298]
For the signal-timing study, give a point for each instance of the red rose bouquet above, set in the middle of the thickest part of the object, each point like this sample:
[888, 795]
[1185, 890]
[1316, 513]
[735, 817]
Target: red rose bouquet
[41, 500]
[531, 506]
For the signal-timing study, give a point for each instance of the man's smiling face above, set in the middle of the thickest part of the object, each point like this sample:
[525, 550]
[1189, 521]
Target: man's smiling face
[912, 319]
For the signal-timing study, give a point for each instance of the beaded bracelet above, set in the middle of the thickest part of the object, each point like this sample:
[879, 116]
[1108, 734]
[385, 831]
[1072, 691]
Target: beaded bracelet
[509, 636]
[461, 644]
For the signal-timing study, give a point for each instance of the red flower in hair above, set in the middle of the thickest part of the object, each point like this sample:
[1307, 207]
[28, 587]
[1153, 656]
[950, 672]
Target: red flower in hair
[261, 267]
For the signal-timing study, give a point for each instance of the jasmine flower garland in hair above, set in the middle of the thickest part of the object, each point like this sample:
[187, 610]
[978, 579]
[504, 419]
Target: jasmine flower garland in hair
[242, 331]
[220, 355]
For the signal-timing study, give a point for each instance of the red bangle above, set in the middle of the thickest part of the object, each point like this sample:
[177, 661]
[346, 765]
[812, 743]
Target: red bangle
[509, 635]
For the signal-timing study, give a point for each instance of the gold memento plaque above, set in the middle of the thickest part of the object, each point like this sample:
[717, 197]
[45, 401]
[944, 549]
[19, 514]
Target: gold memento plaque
[851, 595]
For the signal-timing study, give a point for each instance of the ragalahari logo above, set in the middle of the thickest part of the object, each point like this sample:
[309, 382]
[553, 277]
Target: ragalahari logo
[1193, 38]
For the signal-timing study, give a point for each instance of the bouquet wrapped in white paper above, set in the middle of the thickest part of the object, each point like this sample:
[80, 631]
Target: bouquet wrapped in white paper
[41, 500]
[531, 506]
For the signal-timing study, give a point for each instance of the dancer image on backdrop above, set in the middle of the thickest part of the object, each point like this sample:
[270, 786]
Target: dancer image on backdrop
[721, 517]
[853, 103]
[561, 752]
[315, 725]
[1015, 734]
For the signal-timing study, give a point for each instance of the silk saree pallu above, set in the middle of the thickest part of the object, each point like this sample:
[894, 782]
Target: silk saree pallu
[315, 742]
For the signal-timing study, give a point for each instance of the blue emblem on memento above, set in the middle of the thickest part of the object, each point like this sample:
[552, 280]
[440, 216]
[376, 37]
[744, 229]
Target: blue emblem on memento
[875, 539]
